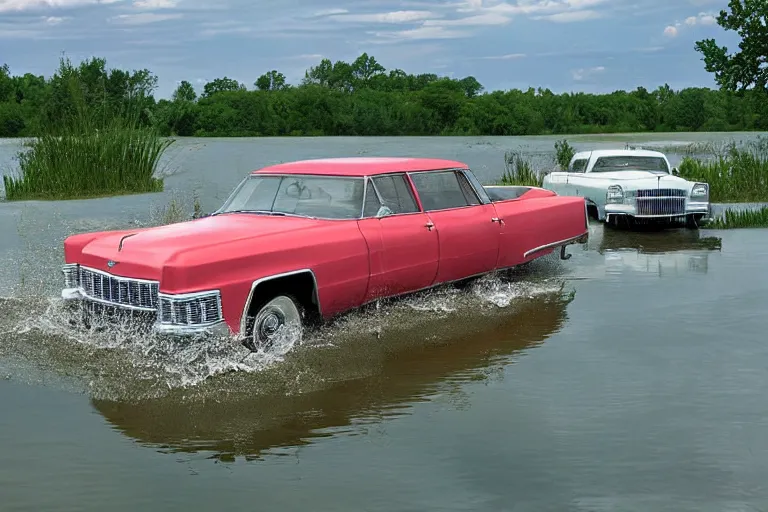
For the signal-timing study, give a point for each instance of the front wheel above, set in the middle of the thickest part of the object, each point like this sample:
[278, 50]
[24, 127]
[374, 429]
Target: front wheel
[277, 325]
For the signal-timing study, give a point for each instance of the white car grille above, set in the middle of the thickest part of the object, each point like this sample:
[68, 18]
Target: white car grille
[660, 202]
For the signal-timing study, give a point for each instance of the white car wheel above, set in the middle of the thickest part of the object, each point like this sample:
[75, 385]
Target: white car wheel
[277, 324]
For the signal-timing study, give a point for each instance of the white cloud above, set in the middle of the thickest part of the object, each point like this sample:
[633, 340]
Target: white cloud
[490, 18]
[531, 7]
[584, 73]
[508, 56]
[703, 18]
[29, 5]
[144, 18]
[419, 34]
[330, 12]
[385, 17]
[53, 20]
[155, 4]
[571, 16]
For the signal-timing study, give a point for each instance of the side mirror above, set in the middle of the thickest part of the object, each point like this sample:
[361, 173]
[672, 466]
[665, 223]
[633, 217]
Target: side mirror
[675, 172]
[383, 212]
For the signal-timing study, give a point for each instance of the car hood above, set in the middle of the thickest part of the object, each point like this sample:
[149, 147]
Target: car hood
[144, 252]
[644, 179]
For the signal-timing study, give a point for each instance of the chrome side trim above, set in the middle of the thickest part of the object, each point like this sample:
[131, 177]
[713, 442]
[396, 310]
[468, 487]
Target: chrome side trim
[216, 329]
[270, 278]
[552, 245]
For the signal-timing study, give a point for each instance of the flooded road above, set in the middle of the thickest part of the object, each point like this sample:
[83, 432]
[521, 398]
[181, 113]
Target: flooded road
[630, 377]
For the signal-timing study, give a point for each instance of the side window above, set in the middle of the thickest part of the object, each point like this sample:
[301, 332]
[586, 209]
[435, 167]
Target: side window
[579, 165]
[395, 193]
[372, 203]
[469, 194]
[439, 190]
[479, 189]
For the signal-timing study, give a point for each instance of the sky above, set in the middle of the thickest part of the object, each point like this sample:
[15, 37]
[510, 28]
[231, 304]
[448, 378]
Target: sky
[564, 45]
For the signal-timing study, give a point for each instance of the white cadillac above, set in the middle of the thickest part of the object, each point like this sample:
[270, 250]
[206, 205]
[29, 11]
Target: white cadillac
[631, 186]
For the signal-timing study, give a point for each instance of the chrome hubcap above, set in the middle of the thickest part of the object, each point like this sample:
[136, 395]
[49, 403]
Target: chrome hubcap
[278, 323]
[270, 324]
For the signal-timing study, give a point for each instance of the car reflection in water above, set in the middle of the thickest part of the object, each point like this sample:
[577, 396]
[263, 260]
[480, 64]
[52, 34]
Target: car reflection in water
[662, 253]
[359, 380]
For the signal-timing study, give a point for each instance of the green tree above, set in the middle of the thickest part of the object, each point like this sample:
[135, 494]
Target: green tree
[271, 81]
[185, 92]
[218, 85]
[748, 67]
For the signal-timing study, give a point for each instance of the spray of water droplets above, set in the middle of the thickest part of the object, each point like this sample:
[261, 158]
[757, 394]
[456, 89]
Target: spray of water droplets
[119, 360]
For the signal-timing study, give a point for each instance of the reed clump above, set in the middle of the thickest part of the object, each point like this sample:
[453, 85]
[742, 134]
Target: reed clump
[733, 219]
[738, 174]
[85, 160]
[519, 171]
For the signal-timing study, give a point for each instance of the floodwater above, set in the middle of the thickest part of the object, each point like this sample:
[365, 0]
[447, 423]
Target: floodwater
[629, 377]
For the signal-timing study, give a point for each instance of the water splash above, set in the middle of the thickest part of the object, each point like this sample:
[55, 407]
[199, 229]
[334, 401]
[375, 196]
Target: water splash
[119, 361]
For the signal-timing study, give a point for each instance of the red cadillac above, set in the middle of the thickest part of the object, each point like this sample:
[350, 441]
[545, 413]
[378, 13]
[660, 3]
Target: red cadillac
[304, 241]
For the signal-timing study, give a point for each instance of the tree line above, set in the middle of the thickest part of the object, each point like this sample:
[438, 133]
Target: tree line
[364, 98]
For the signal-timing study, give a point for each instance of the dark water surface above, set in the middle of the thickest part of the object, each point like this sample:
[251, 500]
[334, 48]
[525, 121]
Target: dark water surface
[631, 377]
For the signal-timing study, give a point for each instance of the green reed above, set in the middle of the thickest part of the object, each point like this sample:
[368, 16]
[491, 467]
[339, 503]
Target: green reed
[519, 171]
[738, 174]
[732, 219]
[85, 158]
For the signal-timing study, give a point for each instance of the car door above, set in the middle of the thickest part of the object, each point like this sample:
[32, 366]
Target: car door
[467, 229]
[556, 181]
[402, 244]
[575, 180]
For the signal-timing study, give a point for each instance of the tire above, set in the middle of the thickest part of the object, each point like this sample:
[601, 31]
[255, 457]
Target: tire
[693, 221]
[280, 319]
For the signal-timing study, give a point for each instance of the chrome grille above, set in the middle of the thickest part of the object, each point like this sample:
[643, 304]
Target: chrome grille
[196, 310]
[120, 291]
[660, 202]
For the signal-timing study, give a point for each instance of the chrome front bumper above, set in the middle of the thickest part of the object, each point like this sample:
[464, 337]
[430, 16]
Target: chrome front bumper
[630, 209]
[220, 328]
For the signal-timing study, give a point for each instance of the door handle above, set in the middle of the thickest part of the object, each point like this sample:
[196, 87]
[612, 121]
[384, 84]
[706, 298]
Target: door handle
[429, 225]
[496, 219]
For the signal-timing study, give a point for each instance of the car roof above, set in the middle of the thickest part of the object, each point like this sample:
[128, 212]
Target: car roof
[617, 152]
[360, 166]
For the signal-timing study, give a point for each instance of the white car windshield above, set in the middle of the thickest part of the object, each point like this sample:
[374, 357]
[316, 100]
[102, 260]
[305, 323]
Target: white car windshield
[326, 197]
[630, 163]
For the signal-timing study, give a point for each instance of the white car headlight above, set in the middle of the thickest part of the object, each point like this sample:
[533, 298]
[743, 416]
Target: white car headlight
[191, 309]
[700, 191]
[614, 195]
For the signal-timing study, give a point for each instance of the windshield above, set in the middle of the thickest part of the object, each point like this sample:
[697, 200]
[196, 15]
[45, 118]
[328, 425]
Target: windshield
[326, 197]
[630, 163]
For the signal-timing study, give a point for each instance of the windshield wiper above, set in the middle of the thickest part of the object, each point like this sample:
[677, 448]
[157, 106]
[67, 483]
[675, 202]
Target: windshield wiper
[260, 212]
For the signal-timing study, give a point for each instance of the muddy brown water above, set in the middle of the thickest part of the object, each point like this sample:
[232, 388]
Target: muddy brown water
[630, 377]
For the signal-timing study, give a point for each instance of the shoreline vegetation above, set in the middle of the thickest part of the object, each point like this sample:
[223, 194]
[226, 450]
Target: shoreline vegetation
[98, 132]
[363, 98]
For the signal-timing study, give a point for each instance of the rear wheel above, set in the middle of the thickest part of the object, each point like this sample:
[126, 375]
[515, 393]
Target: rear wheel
[277, 325]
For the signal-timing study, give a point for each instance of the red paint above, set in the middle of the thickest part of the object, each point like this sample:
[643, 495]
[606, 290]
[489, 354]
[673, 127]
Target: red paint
[354, 261]
[361, 166]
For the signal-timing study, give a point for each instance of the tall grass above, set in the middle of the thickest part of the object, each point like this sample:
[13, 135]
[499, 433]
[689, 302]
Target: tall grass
[87, 154]
[741, 219]
[738, 174]
[519, 171]
[564, 152]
